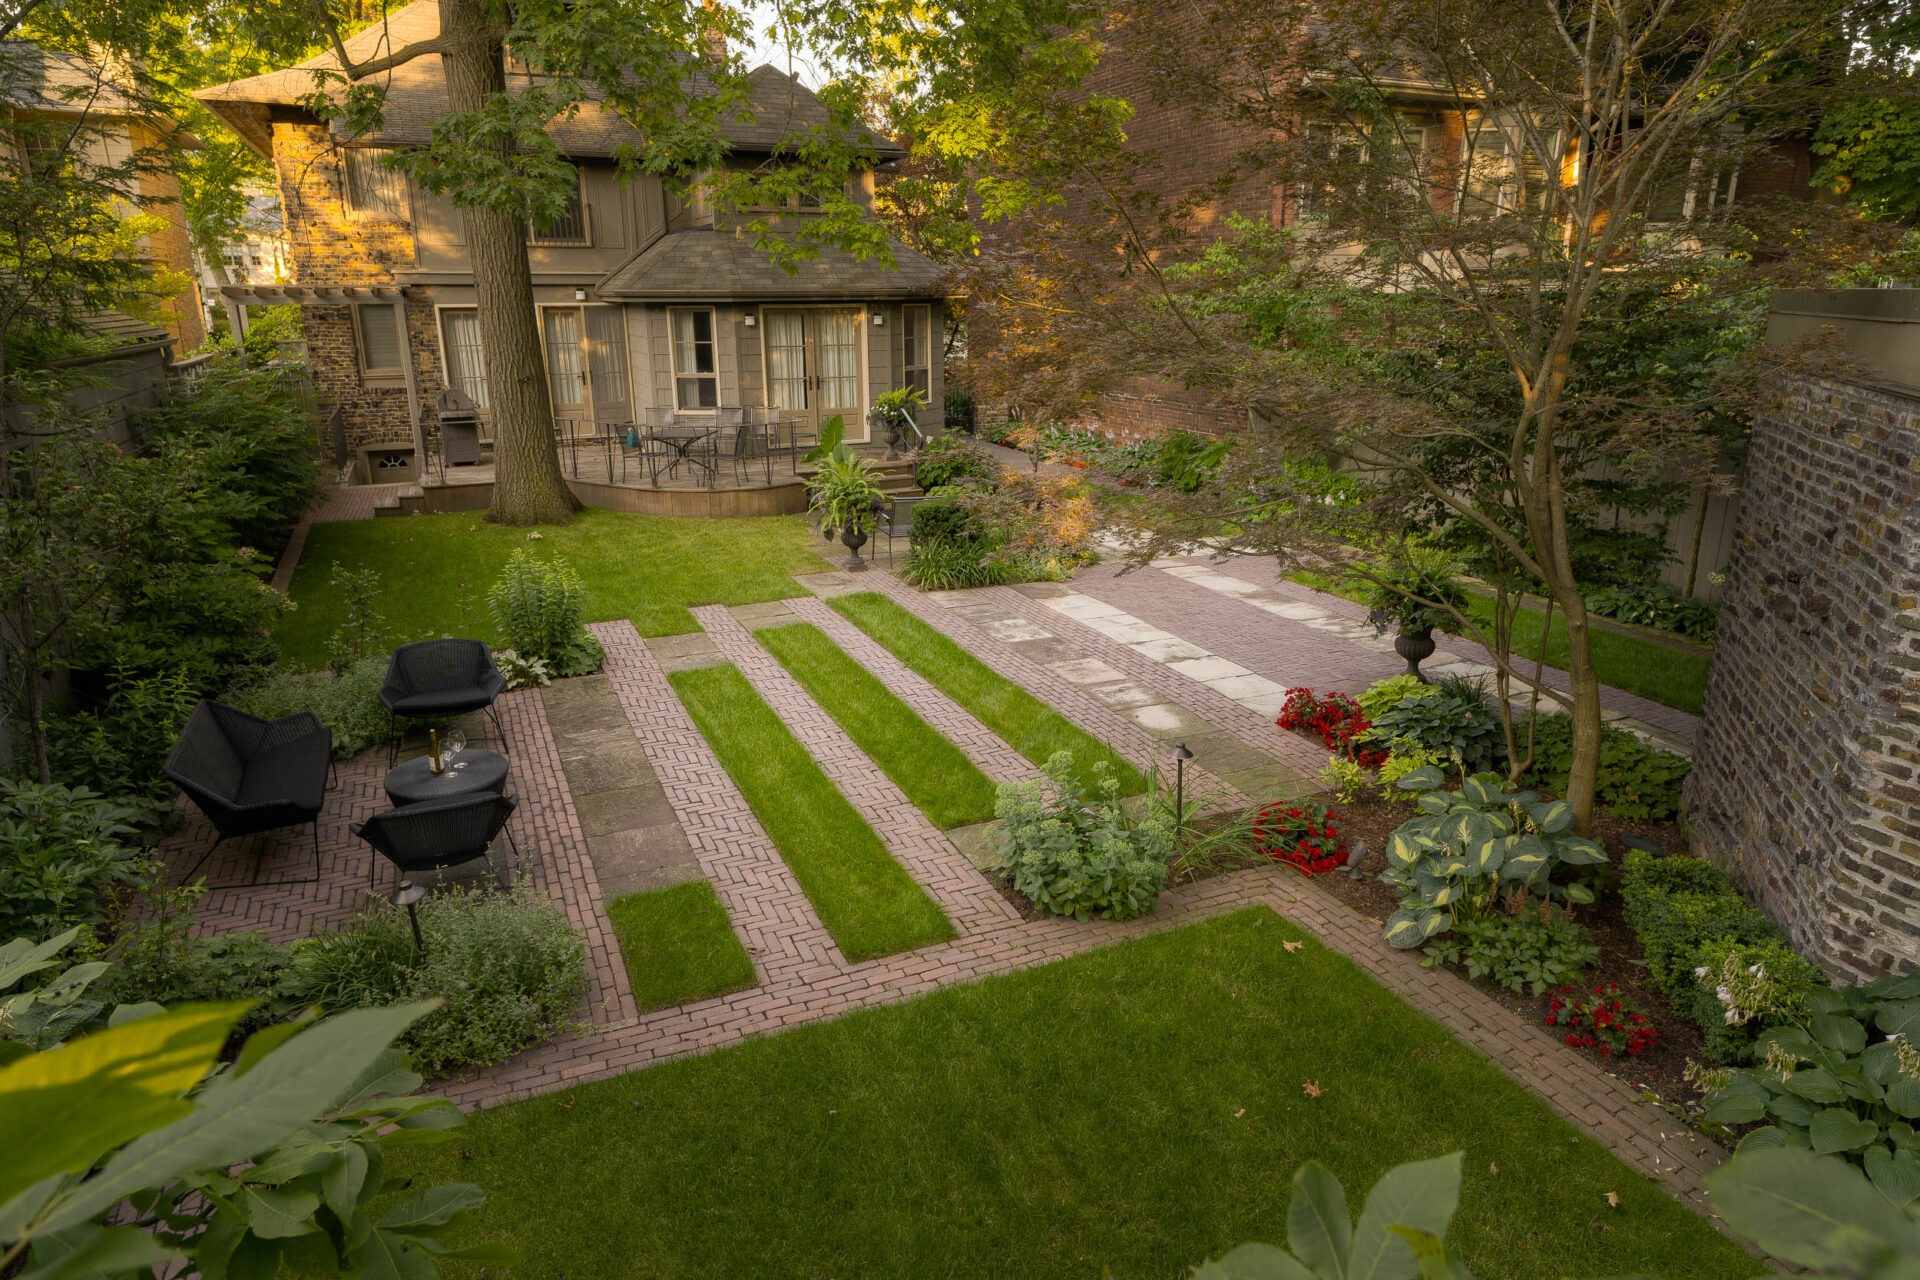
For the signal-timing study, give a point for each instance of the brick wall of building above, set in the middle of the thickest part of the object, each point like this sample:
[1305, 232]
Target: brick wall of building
[1804, 783]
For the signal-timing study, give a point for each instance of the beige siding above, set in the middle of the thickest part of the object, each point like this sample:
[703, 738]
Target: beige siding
[753, 381]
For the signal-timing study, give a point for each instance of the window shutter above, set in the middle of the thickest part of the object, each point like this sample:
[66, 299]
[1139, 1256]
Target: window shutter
[380, 349]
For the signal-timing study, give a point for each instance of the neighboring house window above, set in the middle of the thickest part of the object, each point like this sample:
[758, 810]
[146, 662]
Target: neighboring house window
[914, 325]
[460, 352]
[1503, 173]
[1337, 147]
[371, 186]
[377, 326]
[695, 385]
[568, 228]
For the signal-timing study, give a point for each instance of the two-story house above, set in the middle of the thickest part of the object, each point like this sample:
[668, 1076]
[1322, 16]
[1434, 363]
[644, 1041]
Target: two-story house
[645, 298]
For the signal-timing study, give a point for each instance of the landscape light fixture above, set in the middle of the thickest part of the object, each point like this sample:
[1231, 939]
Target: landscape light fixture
[410, 896]
[1180, 757]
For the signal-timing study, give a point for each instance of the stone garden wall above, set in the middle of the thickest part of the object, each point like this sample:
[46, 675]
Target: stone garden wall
[1804, 782]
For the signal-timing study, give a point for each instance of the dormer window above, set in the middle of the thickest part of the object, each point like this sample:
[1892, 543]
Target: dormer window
[570, 228]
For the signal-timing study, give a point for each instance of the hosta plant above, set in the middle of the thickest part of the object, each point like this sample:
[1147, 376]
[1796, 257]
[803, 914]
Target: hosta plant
[1847, 1083]
[1470, 850]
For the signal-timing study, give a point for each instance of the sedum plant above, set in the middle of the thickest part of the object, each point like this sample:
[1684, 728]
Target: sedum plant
[1470, 850]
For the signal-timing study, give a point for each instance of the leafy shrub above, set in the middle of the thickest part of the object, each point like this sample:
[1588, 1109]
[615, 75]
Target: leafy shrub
[1304, 836]
[959, 407]
[63, 851]
[48, 1011]
[362, 632]
[1844, 1079]
[159, 960]
[522, 673]
[509, 967]
[1457, 721]
[951, 549]
[119, 748]
[954, 459]
[1522, 953]
[1081, 858]
[1603, 1020]
[1404, 759]
[1414, 592]
[538, 604]
[1657, 606]
[1471, 849]
[1343, 776]
[1692, 924]
[347, 703]
[1635, 780]
[1382, 696]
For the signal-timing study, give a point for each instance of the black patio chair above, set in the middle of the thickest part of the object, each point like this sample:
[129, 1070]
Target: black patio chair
[250, 775]
[900, 521]
[436, 679]
[440, 833]
[747, 442]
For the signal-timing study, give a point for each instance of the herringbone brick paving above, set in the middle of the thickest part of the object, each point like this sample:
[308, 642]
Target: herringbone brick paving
[962, 892]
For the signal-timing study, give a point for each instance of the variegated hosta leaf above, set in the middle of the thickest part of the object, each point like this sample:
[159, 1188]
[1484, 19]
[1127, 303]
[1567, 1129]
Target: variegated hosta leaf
[1402, 852]
[1433, 802]
[1409, 927]
[1578, 851]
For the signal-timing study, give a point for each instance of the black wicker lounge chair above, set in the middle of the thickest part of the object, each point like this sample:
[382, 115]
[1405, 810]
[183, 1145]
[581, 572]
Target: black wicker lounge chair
[440, 833]
[439, 678]
[250, 775]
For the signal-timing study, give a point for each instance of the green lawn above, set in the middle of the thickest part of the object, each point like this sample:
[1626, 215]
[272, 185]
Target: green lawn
[934, 774]
[1022, 721]
[437, 571]
[1672, 677]
[1126, 1113]
[678, 946]
[868, 902]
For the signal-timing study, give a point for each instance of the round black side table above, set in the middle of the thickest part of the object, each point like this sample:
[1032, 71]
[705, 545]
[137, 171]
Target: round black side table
[470, 772]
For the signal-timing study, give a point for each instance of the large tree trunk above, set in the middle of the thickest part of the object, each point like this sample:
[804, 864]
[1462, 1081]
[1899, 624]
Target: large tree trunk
[528, 487]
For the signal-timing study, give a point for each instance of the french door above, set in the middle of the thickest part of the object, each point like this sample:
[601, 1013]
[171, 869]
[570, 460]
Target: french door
[813, 365]
[587, 364]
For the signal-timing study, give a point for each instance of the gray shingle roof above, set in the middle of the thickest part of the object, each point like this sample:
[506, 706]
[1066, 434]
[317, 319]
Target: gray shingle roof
[713, 265]
[417, 96]
[50, 80]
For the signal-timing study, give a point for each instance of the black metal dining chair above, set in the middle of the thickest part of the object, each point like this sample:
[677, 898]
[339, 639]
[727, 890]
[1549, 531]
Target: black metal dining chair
[437, 679]
[435, 834]
[250, 776]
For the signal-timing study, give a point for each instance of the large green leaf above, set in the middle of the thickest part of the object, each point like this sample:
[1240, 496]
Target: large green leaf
[1254, 1262]
[1793, 1109]
[1798, 1206]
[274, 1214]
[1422, 1195]
[1411, 926]
[1816, 1084]
[1896, 1176]
[1552, 816]
[62, 1110]
[1402, 852]
[1481, 791]
[1841, 1034]
[101, 1251]
[1900, 1017]
[20, 958]
[433, 1206]
[1741, 1102]
[1837, 1129]
[1425, 778]
[1903, 1097]
[1765, 1138]
[238, 1117]
[1319, 1232]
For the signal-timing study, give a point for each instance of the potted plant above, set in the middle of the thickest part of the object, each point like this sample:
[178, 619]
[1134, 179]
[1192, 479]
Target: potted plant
[1413, 596]
[848, 500]
[893, 412]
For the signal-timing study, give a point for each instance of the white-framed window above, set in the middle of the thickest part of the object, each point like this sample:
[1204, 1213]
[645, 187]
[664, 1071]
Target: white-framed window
[1503, 173]
[917, 342]
[696, 383]
[460, 353]
[572, 227]
[377, 332]
[373, 188]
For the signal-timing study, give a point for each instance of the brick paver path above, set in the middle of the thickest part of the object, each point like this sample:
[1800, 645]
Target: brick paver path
[962, 892]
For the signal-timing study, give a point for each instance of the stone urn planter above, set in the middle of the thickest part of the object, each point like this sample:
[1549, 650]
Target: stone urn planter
[853, 540]
[1416, 647]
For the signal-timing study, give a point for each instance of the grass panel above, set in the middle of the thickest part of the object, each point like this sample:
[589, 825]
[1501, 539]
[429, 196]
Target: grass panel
[868, 902]
[934, 773]
[436, 571]
[1127, 1113]
[678, 945]
[1023, 721]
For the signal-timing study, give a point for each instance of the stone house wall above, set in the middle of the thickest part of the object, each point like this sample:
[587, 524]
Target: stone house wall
[1804, 782]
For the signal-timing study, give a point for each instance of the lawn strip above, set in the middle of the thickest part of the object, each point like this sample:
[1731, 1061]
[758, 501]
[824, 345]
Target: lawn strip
[867, 901]
[933, 773]
[678, 945]
[1128, 1112]
[1022, 721]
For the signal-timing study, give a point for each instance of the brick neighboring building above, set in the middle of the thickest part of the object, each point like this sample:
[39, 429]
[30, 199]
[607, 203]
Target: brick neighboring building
[645, 300]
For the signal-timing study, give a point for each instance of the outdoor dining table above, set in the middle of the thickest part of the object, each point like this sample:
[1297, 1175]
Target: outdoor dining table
[682, 439]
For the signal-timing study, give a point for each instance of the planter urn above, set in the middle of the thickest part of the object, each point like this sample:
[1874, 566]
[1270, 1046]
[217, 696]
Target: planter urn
[1416, 647]
[853, 541]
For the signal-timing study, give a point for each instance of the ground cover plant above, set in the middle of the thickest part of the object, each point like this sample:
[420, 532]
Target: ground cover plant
[935, 774]
[867, 901]
[1074, 850]
[914, 1140]
[1022, 721]
[678, 945]
[437, 570]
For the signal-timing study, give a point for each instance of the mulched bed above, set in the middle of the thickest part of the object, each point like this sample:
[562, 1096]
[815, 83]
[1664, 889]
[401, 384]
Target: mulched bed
[1660, 1067]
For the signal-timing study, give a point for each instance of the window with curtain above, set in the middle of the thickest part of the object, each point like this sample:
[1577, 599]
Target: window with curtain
[914, 325]
[696, 384]
[381, 347]
[465, 365]
[371, 186]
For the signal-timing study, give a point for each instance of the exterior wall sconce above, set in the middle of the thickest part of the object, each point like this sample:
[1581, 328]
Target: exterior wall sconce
[579, 295]
[879, 320]
[749, 320]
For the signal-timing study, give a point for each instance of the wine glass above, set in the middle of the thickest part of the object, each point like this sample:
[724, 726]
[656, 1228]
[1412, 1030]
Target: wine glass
[452, 743]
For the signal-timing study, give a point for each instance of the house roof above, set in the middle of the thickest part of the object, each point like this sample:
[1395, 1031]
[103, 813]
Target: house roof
[124, 330]
[706, 264]
[416, 96]
[37, 79]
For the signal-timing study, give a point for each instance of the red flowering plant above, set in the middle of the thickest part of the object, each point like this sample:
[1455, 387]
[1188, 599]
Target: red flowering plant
[1335, 718]
[1603, 1020]
[1304, 836]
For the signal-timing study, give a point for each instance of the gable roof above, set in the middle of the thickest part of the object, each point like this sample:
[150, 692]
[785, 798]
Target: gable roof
[703, 263]
[36, 79]
[416, 96]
